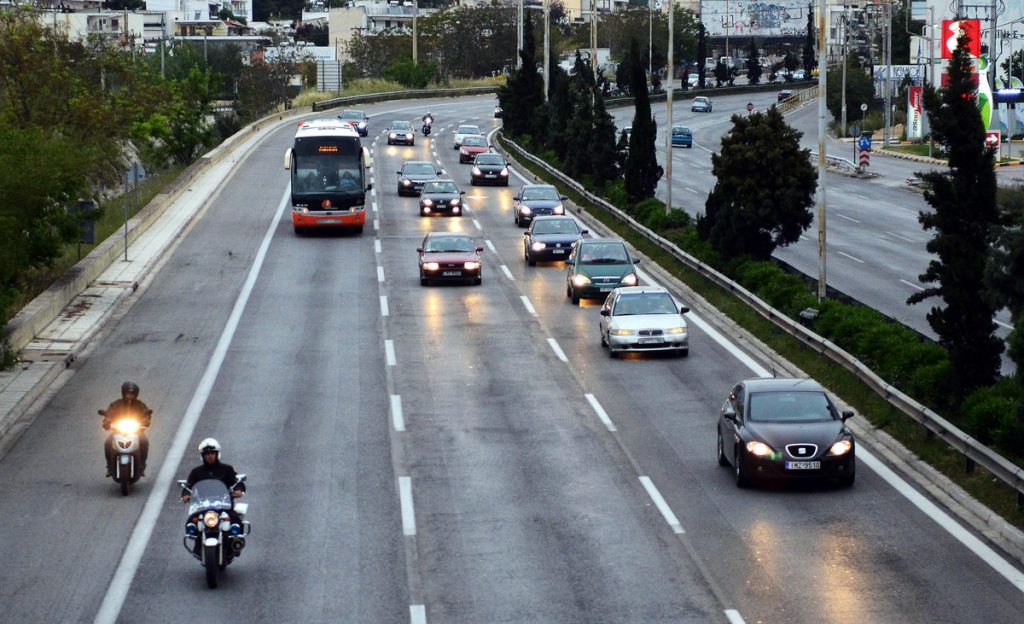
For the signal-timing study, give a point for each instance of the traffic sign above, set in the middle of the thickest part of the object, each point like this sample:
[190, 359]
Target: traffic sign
[864, 143]
[854, 131]
[750, 106]
[863, 107]
[992, 139]
[865, 158]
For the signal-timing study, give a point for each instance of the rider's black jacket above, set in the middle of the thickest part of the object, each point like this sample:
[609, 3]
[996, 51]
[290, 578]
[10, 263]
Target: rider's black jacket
[217, 470]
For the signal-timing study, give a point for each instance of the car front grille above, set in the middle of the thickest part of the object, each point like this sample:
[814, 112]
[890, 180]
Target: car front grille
[802, 451]
[651, 332]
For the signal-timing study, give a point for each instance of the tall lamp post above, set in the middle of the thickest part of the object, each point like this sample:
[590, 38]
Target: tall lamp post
[650, 40]
[668, 110]
[547, 47]
[593, 37]
[519, 40]
[415, 10]
[822, 111]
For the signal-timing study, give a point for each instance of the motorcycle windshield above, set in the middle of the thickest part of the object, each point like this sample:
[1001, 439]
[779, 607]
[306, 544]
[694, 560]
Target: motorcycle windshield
[209, 494]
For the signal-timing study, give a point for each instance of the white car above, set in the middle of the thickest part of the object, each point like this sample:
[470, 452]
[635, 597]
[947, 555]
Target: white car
[464, 131]
[693, 80]
[643, 318]
[800, 75]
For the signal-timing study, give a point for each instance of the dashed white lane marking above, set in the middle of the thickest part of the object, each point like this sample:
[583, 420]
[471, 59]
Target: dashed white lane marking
[508, 274]
[477, 224]
[854, 258]
[803, 238]
[847, 218]
[662, 506]
[911, 284]
[904, 238]
[373, 192]
[417, 614]
[528, 305]
[734, 616]
[693, 190]
[397, 419]
[558, 350]
[408, 514]
[490, 246]
[603, 415]
[374, 204]
[1002, 324]
[389, 352]
[380, 273]
[376, 224]
[376, 246]
[864, 197]
[384, 305]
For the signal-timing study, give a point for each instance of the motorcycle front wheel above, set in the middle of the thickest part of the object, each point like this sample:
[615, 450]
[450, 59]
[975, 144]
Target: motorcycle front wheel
[126, 485]
[210, 563]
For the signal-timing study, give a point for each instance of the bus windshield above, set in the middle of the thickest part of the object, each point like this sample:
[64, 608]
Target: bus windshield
[327, 167]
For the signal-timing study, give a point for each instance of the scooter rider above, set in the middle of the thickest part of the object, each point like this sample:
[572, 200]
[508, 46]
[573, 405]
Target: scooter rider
[428, 119]
[128, 405]
[212, 468]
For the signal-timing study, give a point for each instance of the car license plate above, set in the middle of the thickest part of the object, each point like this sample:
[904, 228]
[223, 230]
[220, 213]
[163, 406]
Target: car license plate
[558, 251]
[651, 340]
[490, 175]
[803, 465]
[606, 289]
[330, 221]
[451, 273]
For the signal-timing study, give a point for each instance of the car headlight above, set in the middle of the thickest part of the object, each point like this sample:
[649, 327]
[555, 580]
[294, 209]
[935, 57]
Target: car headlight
[430, 266]
[504, 172]
[464, 152]
[476, 171]
[622, 332]
[538, 246]
[559, 209]
[759, 448]
[580, 280]
[629, 280]
[456, 202]
[406, 182]
[428, 202]
[525, 210]
[362, 124]
[472, 265]
[676, 330]
[408, 136]
[211, 519]
[392, 135]
[841, 447]
[127, 426]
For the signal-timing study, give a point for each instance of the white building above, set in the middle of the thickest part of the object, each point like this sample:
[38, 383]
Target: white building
[370, 17]
[202, 9]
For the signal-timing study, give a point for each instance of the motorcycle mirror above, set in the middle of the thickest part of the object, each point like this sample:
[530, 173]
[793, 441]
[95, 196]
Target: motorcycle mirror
[241, 477]
[183, 483]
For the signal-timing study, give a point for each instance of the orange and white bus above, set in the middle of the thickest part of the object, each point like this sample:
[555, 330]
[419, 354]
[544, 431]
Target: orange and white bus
[328, 167]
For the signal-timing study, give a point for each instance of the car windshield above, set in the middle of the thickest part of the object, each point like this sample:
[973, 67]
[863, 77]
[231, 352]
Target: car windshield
[419, 168]
[603, 253]
[401, 125]
[804, 406]
[440, 187]
[645, 303]
[700, 100]
[449, 243]
[490, 160]
[355, 115]
[543, 193]
[209, 494]
[468, 130]
[555, 226]
[475, 141]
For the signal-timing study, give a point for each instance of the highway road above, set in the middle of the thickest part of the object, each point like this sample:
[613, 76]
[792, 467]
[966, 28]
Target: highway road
[455, 454]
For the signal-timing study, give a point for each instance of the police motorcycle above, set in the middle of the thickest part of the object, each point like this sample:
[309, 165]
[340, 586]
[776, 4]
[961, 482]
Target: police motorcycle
[427, 122]
[216, 527]
[125, 432]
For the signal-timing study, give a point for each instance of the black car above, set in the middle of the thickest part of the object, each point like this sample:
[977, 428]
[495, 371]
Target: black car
[358, 119]
[440, 197]
[785, 94]
[534, 200]
[413, 174]
[785, 428]
[498, 112]
[489, 169]
[401, 132]
[550, 238]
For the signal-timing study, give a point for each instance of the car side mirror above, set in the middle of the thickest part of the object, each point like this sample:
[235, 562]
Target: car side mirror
[846, 415]
[183, 483]
[584, 231]
[562, 197]
[241, 477]
[636, 260]
[419, 250]
[399, 172]
[369, 186]
[479, 249]
[462, 192]
[516, 198]
[570, 261]
[606, 312]
[441, 172]
[729, 414]
[683, 309]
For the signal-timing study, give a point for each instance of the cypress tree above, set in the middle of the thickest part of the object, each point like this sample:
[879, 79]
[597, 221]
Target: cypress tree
[602, 149]
[702, 53]
[523, 93]
[642, 170]
[753, 64]
[809, 60]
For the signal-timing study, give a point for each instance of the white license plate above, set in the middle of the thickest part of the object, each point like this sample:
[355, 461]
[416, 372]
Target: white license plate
[451, 273]
[606, 289]
[490, 175]
[558, 251]
[329, 221]
[651, 340]
[803, 465]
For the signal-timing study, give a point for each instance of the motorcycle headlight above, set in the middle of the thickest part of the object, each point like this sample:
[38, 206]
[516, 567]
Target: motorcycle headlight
[476, 171]
[126, 426]
[211, 519]
[428, 202]
[538, 246]
[430, 266]
[580, 280]
[559, 209]
[621, 332]
[841, 447]
[676, 330]
[629, 280]
[472, 265]
[759, 448]
[504, 172]
[406, 182]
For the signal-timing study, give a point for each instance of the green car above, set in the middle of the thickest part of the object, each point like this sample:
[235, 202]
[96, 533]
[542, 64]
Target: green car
[596, 266]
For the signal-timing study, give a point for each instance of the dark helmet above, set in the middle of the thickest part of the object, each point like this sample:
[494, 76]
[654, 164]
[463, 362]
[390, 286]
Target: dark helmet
[129, 387]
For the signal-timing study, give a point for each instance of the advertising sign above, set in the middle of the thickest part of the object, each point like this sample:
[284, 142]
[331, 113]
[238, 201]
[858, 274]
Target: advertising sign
[747, 18]
[915, 114]
[951, 30]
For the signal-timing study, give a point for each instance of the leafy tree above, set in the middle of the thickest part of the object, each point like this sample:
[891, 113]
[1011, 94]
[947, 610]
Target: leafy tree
[562, 103]
[642, 170]
[409, 74]
[1014, 64]
[753, 64]
[964, 202]
[623, 76]
[764, 191]
[790, 62]
[859, 89]
[702, 52]
[262, 10]
[261, 88]
[810, 59]
[900, 36]
[576, 150]
[317, 34]
[1005, 268]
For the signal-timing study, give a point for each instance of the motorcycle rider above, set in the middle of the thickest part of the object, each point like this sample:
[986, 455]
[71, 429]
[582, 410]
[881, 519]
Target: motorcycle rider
[428, 119]
[128, 405]
[212, 468]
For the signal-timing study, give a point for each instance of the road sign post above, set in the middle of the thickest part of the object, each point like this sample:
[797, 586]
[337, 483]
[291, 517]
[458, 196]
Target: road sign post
[864, 149]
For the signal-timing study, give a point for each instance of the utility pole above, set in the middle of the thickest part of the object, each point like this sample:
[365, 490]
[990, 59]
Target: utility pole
[846, 55]
[547, 47]
[726, 28]
[650, 42]
[415, 10]
[822, 111]
[992, 59]
[593, 37]
[519, 41]
[668, 110]
[886, 134]
[930, 75]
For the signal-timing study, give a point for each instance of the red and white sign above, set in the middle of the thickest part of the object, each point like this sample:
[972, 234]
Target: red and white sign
[992, 140]
[915, 114]
[865, 158]
[951, 30]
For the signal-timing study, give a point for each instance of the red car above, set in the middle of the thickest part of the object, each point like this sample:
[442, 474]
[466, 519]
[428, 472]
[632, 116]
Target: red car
[471, 146]
[449, 256]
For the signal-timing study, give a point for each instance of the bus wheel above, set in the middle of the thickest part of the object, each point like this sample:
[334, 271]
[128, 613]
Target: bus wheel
[359, 229]
[300, 230]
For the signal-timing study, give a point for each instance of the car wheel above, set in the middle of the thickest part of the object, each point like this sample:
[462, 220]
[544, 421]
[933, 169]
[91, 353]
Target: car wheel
[423, 280]
[478, 281]
[739, 470]
[515, 217]
[848, 479]
[358, 229]
[505, 183]
[722, 459]
[612, 353]
[604, 343]
[575, 297]
[299, 231]
[683, 353]
[530, 260]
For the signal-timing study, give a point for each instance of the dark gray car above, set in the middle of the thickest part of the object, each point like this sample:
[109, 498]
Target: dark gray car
[441, 197]
[534, 200]
[550, 238]
[413, 174]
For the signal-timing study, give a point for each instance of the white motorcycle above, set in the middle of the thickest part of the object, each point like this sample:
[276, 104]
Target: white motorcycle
[124, 440]
[216, 527]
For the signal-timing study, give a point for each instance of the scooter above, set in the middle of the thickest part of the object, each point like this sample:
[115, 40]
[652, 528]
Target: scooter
[429, 121]
[124, 440]
[216, 527]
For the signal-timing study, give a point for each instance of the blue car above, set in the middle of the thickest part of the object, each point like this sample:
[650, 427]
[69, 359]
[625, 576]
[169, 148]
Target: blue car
[681, 135]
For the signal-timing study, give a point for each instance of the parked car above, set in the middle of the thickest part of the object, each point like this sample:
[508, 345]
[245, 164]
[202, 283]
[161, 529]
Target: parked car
[401, 132]
[800, 74]
[785, 94]
[693, 80]
[463, 131]
[449, 256]
[701, 104]
[414, 174]
[471, 147]
[357, 119]
[643, 318]
[440, 197]
[682, 136]
[784, 428]
[550, 238]
[489, 168]
[536, 199]
[596, 266]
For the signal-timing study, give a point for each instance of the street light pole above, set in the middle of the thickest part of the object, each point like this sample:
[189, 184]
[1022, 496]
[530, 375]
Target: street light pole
[887, 134]
[547, 47]
[519, 40]
[846, 55]
[822, 111]
[668, 111]
[593, 37]
[415, 10]
[650, 41]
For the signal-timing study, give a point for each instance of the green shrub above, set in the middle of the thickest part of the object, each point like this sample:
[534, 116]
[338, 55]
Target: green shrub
[992, 414]
[410, 74]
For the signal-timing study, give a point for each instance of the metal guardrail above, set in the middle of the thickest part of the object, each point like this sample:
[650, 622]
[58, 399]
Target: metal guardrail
[973, 451]
[399, 95]
[837, 161]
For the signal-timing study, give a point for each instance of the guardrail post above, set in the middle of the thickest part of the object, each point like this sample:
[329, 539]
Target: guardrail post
[969, 466]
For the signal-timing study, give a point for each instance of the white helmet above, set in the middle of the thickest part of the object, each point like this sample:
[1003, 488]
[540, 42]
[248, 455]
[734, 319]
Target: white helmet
[209, 444]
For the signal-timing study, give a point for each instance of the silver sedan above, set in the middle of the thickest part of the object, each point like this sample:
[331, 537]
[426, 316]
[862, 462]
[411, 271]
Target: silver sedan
[643, 318]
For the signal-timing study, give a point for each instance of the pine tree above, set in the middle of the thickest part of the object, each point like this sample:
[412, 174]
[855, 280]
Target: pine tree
[562, 102]
[1004, 270]
[964, 202]
[753, 64]
[577, 139]
[642, 170]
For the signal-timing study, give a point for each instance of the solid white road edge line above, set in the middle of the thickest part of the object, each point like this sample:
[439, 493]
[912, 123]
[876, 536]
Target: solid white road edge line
[389, 352]
[848, 218]
[662, 506]
[734, 616]
[528, 305]
[508, 274]
[477, 224]
[558, 350]
[397, 419]
[417, 614]
[1002, 324]
[117, 591]
[384, 305]
[408, 515]
[603, 415]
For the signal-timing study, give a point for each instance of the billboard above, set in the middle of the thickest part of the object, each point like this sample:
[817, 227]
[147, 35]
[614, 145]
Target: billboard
[951, 30]
[745, 18]
[915, 114]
